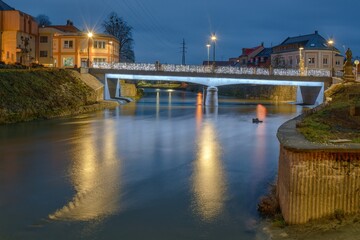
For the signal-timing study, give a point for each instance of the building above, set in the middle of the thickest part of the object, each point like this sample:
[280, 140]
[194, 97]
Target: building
[67, 46]
[247, 58]
[18, 36]
[315, 50]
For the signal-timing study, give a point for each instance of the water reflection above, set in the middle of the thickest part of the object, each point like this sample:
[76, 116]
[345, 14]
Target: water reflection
[209, 184]
[95, 176]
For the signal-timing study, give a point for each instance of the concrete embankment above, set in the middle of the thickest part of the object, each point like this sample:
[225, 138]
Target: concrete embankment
[316, 180]
[47, 93]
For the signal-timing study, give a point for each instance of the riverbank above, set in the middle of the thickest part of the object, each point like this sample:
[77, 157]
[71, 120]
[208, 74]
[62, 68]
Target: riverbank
[27, 95]
[318, 177]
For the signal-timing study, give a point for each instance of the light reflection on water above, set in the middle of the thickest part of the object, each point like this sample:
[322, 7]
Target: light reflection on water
[95, 177]
[162, 168]
[209, 184]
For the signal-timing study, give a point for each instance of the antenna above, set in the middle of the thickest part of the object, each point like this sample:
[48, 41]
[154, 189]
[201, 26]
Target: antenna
[183, 52]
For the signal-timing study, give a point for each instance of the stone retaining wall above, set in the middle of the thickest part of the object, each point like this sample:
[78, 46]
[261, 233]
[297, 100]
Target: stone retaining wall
[315, 180]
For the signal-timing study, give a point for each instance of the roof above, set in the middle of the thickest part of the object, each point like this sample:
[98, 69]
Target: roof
[248, 51]
[308, 42]
[66, 28]
[5, 7]
[266, 52]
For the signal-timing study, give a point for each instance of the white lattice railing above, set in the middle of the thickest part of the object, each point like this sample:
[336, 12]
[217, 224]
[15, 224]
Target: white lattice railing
[210, 69]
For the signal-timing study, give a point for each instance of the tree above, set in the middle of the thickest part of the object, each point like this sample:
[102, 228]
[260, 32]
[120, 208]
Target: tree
[43, 20]
[117, 27]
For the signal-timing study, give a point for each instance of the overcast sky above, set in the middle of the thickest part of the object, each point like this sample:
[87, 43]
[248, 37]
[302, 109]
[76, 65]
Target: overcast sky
[160, 25]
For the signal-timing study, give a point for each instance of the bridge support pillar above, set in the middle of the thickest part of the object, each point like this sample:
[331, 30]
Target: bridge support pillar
[310, 95]
[211, 99]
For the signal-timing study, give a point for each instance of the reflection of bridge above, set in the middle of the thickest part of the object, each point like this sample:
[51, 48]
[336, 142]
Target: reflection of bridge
[310, 87]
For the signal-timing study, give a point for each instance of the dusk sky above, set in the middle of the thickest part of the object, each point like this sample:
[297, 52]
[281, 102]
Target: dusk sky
[160, 25]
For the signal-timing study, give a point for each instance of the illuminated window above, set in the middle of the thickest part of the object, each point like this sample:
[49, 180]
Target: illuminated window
[99, 44]
[99, 59]
[68, 44]
[311, 60]
[68, 61]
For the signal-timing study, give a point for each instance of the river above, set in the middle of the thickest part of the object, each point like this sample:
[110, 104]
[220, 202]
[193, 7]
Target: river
[162, 168]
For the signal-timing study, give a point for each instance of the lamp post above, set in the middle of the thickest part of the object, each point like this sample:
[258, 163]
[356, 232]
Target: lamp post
[208, 53]
[213, 39]
[331, 43]
[111, 51]
[356, 68]
[90, 35]
[301, 62]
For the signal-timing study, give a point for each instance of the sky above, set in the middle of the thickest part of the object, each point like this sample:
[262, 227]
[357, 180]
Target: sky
[159, 26]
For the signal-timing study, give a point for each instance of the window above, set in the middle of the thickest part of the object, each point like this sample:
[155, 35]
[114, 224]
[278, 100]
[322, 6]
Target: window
[7, 54]
[99, 60]
[290, 61]
[99, 44]
[262, 59]
[311, 60]
[325, 61]
[68, 44]
[43, 53]
[337, 62]
[43, 39]
[68, 62]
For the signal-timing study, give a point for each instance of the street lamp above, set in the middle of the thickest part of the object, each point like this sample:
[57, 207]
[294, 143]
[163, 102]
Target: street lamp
[208, 52]
[111, 51]
[356, 68]
[213, 39]
[301, 62]
[331, 43]
[90, 35]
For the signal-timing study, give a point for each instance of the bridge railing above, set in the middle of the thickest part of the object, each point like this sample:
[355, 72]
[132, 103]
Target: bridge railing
[211, 69]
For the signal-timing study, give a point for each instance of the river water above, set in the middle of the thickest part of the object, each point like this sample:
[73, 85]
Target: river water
[162, 168]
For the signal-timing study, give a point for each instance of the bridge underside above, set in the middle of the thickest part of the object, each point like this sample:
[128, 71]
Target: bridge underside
[309, 92]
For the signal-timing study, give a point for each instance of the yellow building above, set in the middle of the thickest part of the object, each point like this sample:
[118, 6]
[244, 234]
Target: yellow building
[67, 46]
[18, 36]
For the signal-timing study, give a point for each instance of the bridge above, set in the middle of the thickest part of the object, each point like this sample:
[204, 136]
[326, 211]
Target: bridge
[311, 84]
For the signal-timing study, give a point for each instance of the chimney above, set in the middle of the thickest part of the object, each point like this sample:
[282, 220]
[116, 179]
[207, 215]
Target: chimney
[69, 22]
[316, 32]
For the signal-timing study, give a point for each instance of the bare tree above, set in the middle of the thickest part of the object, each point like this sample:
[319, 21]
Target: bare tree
[43, 20]
[117, 27]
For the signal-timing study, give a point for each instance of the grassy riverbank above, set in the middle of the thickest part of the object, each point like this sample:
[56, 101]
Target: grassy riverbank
[44, 93]
[338, 119]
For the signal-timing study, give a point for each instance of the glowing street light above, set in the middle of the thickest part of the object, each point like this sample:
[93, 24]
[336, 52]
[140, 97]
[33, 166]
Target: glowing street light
[208, 52]
[213, 39]
[90, 35]
[301, 62]
[356, 68]
[111, 51]
[331, 43]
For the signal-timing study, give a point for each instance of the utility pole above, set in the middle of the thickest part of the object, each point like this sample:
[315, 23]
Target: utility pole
[183, 52]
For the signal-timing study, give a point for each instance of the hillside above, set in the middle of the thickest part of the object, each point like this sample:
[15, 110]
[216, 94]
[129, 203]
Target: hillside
[44, 93]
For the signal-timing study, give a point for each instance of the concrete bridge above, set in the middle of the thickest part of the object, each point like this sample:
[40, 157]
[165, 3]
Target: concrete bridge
[311, 85]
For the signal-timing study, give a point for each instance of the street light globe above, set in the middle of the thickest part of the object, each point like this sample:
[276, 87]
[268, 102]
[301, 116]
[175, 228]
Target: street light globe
[301, 48]
[356, 62]
[90, 34]
[213, 37]
[208, 45]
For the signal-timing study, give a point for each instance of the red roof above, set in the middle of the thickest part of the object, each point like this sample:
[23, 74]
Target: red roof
[248, 51]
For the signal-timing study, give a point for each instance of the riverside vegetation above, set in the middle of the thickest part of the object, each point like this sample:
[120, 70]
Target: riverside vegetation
[44, 93]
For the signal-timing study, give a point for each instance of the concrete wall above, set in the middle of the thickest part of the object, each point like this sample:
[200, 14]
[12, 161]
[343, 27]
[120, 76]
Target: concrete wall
[313, 185]
[316, 180]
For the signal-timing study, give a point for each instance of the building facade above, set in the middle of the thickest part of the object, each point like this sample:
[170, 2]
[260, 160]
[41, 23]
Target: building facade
[67, 46]
[313, 49]
[18, 36]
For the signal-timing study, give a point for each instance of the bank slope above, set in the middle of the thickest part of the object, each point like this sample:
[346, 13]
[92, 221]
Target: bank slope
[43, 93]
